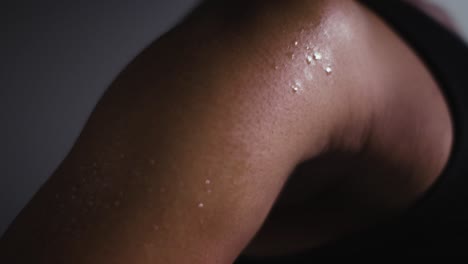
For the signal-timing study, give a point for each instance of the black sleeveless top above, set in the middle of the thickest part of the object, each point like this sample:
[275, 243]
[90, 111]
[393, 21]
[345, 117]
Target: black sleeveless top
[437, 224]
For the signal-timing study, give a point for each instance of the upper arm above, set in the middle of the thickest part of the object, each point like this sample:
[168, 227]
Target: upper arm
[187, 151]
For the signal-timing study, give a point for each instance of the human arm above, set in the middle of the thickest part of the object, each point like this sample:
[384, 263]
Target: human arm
[204, 98]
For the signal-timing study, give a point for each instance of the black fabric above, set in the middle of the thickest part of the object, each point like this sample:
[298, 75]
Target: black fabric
[438, 223]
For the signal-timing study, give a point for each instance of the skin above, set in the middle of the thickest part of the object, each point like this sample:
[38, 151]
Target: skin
[189, 149]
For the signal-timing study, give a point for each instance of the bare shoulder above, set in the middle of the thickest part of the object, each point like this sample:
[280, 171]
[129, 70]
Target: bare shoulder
[219, 111]
[407, 133]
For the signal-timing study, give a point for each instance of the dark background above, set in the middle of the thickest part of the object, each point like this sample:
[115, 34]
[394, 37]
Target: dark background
[56, 60]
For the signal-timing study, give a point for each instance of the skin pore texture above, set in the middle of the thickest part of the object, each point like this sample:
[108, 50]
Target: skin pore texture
[313, 108]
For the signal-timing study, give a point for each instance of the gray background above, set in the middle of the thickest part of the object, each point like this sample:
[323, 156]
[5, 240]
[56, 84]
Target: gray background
[56, 59]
